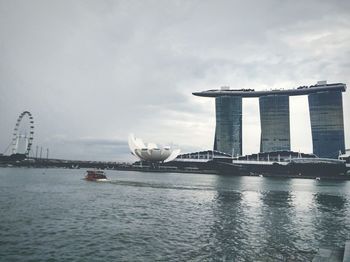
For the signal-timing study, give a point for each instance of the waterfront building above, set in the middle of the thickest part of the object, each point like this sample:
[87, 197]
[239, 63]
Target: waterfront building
[326, 114]
[327, 124]
[228, 132]
[276, 156]
[150, 151]
[206, 155]
[274, 120]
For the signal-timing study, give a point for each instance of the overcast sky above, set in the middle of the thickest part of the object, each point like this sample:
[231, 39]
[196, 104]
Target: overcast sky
[91, 72]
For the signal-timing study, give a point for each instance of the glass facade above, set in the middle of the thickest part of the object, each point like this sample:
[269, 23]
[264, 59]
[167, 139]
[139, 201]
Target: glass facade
[326, 115]
[327, 124]
[228, 132]
[275, 126]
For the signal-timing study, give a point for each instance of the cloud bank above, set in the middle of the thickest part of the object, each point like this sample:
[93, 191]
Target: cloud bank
[91, 72]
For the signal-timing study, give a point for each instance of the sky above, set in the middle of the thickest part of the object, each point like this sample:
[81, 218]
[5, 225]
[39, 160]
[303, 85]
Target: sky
[91, 72]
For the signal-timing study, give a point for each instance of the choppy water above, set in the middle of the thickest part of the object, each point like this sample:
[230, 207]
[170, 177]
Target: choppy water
[54, 215]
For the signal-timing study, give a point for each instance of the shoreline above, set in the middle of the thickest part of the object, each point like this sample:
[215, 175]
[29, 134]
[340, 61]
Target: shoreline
[344, 177]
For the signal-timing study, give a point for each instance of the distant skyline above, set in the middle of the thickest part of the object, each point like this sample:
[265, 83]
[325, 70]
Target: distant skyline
[91, 72]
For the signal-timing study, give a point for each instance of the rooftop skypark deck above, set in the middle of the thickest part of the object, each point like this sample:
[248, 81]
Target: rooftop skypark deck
[301, 90]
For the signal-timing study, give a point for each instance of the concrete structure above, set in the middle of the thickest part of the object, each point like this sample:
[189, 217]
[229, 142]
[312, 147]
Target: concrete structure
[345, 157]
[326, 113]
[334, 254]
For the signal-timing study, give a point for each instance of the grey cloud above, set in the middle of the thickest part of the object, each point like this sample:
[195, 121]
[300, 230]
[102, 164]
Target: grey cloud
[102, 69]
[96, 142]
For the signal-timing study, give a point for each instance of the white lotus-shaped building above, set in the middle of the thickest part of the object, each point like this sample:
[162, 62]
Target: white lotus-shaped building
[151, 152]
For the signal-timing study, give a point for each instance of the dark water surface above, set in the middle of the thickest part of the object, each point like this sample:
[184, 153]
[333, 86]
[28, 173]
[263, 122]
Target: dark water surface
[54, 215]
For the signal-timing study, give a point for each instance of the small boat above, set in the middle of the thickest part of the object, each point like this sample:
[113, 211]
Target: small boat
[318, 178]
[96, 175]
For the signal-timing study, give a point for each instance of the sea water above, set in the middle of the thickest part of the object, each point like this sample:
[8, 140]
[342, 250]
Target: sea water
[55, 215]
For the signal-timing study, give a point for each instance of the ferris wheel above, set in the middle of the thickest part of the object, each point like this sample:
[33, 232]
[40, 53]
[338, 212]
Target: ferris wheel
[27, 136]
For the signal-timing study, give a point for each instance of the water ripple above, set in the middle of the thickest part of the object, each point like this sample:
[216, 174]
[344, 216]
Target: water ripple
[167, 217]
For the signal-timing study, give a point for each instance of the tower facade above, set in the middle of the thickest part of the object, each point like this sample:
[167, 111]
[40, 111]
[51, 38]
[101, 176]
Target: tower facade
[228, 132]
[327, 124]
[275, 126]
[326, 114]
